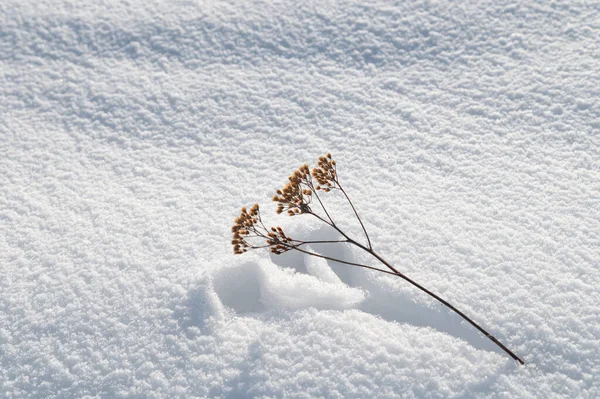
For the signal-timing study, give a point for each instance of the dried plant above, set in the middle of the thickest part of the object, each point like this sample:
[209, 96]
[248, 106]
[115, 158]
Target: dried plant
[297, 198]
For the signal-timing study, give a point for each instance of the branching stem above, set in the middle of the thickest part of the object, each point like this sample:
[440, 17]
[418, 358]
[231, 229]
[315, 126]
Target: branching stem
[446, 303]
[297, 248]
[395, 272]
[331, 223]
[296, 200]
[355, 213]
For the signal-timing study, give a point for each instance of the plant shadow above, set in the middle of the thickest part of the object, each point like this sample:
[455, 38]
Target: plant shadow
[386, 300]
[196, 313]
[248, 288]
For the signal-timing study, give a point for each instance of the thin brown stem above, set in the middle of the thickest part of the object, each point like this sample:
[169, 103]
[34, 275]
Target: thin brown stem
[310, 184]
[355, 213]
[261, 222]
[395, 272]
[441, 300]
[338, 260]
[319, 241]
[461, 314]
[330, 224]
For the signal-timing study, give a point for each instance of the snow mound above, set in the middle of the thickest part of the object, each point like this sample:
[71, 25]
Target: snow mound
[132, 132]
[262, 285]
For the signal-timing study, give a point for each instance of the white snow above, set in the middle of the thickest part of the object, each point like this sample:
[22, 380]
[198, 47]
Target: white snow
[131, 133]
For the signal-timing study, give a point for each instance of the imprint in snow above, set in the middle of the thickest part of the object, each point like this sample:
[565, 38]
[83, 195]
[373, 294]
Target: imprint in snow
[200, 308]
[239, 287]
[394, 299]
[260, 285]
[388, 297]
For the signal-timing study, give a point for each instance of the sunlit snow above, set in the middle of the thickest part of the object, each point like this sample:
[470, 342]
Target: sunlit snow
[131, 133]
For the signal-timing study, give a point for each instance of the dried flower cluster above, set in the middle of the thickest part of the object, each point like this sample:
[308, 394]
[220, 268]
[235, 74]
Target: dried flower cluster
[249, 225]
[244, 225]
[294, 197]
[278, 241]
[325, 173]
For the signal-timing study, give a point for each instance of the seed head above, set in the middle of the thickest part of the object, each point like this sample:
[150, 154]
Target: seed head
[278, 241]
[325, 173]
[244, 226]
[295, 197]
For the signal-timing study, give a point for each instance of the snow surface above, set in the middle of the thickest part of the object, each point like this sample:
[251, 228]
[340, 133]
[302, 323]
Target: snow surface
[467, 134]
